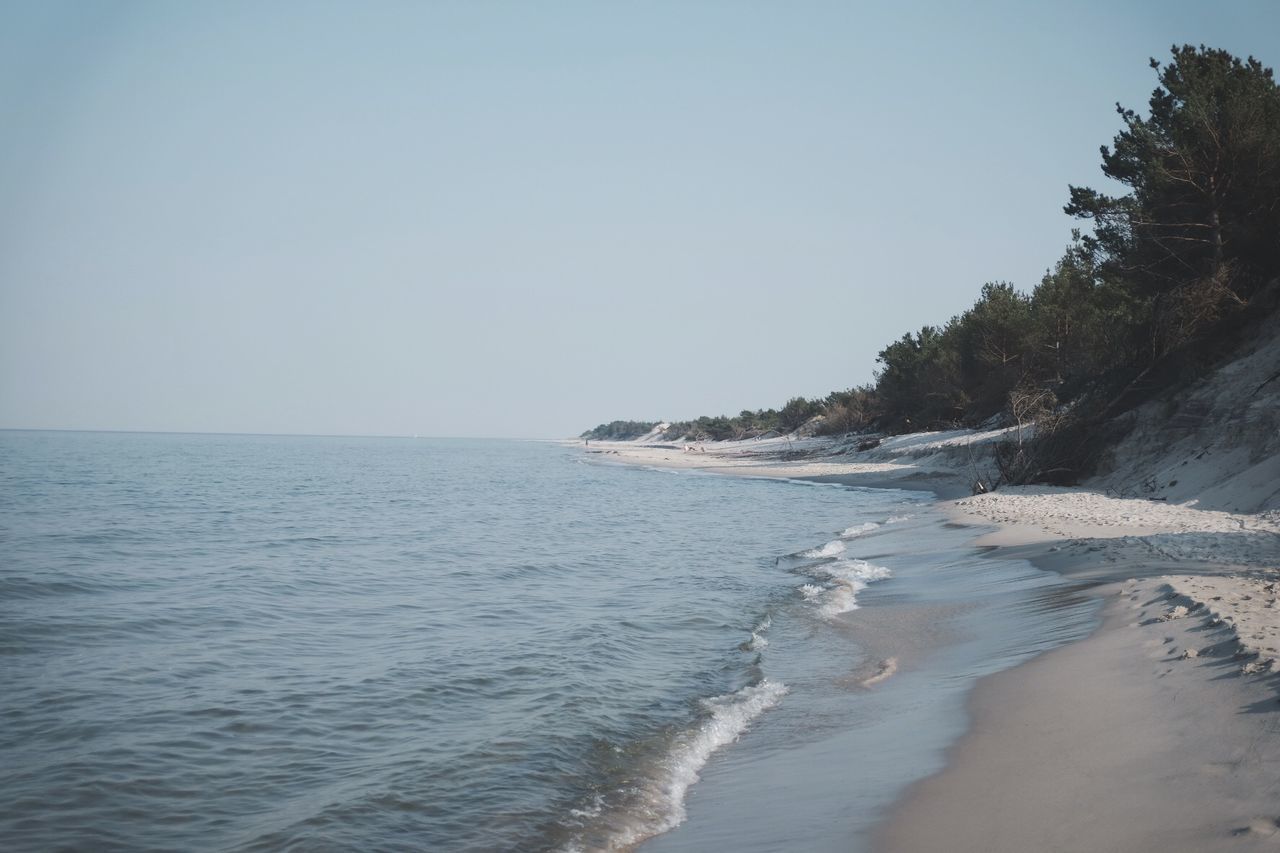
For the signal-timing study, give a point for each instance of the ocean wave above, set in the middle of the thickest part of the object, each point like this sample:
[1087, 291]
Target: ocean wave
[826, 483]
[812, 591]
[847, 577]
[757, 641]
[794, 481]
[831, 549]
[858, 530]
[659, 806]
[662, 470]
[21, 587]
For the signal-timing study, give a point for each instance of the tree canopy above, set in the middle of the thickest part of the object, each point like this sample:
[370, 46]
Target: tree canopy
[1162, 280]
[1198, 233]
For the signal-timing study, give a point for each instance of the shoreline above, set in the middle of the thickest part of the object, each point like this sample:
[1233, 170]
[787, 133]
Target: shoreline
[1115, 742]
[1158, 731]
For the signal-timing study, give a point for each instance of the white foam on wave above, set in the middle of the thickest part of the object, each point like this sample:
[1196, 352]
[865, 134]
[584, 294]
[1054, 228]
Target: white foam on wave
[729, 717]
[848, 578]
[831, 549]
[898, 519]
[811, 591]
[589, 810]
[758, 642]
[858, 529]
[661, 805]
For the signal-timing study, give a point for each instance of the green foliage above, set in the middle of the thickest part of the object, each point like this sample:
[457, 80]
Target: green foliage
[619, 430]
[849, 411]
[747, 424]
[719, 428]
[677, 430]
[797, 411]
[1167, 271]
[1198, 234]
[992, 339]
[919, 385]
[1081, 323]
[1154, 293]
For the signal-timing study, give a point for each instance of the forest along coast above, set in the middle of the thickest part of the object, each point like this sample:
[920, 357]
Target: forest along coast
[1120, 425]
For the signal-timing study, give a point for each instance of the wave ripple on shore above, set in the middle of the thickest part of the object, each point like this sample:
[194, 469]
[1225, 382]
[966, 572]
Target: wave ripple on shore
[655, 803]
[251, 642]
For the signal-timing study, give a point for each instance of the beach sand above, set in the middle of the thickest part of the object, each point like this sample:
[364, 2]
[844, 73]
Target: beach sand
[1119, 742]
[1161, 731]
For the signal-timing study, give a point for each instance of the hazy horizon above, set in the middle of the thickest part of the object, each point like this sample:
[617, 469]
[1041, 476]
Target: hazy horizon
[500, 220]
[296, 434]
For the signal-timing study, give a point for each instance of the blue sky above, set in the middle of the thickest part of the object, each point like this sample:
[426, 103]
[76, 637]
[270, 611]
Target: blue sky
[522, 219]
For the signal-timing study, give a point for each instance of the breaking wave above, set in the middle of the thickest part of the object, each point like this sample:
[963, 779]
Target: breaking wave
[831, 549]
[657, 804]
[844, 579]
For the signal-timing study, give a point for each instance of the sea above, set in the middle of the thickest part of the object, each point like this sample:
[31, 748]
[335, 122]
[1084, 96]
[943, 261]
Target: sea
[261, 643]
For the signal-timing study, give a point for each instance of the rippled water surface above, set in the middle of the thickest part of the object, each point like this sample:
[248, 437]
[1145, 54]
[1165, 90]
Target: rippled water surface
[262, 643]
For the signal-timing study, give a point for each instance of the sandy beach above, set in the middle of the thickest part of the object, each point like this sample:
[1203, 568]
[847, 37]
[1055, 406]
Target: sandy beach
[1160, 731]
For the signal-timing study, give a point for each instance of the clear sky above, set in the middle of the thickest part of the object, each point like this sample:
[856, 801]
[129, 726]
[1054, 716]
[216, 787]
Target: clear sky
[522, 219]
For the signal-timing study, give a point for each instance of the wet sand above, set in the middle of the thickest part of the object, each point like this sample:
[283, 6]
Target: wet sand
[1120, 742]
[1159, 732]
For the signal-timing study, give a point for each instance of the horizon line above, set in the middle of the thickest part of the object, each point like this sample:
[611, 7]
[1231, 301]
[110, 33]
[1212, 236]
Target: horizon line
[276, 434]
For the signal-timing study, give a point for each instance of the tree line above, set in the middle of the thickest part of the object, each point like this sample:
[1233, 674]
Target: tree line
[1161, 281]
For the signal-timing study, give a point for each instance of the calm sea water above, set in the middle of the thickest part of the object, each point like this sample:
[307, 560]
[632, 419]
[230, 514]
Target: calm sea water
[266, 643]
